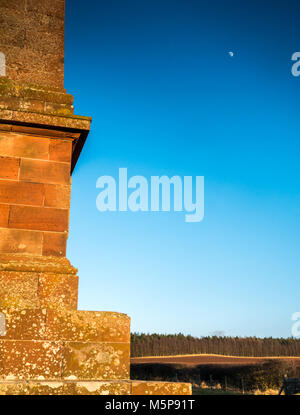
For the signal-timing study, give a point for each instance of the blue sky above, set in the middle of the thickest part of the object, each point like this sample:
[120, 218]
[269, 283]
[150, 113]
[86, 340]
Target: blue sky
[167, 98]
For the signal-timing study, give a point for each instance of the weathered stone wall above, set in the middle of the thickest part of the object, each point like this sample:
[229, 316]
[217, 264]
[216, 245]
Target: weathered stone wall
[79, 345]
[32, 40]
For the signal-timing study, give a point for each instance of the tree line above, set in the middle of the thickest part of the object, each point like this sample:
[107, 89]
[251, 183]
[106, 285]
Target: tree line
[177, 344]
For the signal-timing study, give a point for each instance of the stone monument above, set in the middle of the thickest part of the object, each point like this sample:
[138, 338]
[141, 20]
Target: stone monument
[49, 347]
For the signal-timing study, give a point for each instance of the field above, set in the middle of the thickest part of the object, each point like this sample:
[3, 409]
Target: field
[209, 359]
[218, 374]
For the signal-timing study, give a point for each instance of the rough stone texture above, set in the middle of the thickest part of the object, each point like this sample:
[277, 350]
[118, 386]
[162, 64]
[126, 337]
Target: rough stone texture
[19, 289]
[94, 388]
[27, 324]
[37, 282]
[72, 326]
[88, 326]
[24, 93]
[66, 388]
[56, 360]
[59, 291]
[33, 263]
[30, 359]
[26, 117]
[32, 38]
[70, 352]
[96, 361]
[82, 344]
[38, 290]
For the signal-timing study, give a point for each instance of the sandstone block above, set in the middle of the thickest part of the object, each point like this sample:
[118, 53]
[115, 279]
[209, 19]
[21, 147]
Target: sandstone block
[27, 324]
[36, 387]
[12, 103]
[60, 150]
[88, 326]
[30, 359]
[15, 192]
[9, 168]
[45, 171]
[65, 388]
[18, 145]
[4, 215]
[18, 289]
[58, 109]
[38, 218]
[21, 241]
[37, 290]
[58, 291]
[93, 388]
[96, 361]
[36, 263]
[62, 325]
[57, 196]
[54, 244]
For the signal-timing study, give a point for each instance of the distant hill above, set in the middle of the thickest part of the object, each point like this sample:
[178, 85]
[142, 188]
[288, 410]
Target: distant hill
[211, 359]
